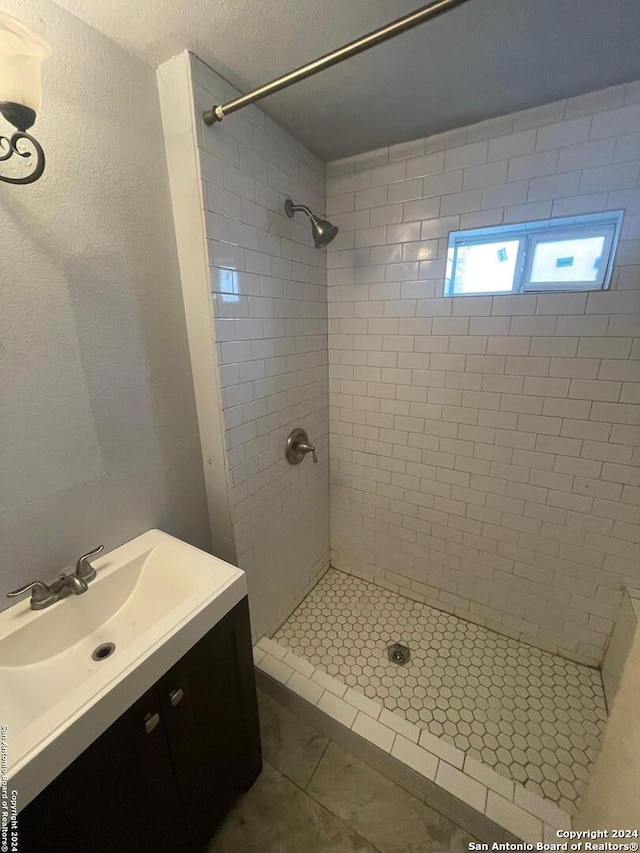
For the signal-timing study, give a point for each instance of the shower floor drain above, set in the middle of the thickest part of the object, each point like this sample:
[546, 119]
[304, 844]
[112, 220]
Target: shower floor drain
[398, 653]
[103, 651]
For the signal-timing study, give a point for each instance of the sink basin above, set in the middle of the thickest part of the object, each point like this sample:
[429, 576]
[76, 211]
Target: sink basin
[153, 598]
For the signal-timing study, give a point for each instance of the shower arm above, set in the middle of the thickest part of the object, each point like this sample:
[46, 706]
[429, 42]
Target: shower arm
[395, 28]
[292, 208]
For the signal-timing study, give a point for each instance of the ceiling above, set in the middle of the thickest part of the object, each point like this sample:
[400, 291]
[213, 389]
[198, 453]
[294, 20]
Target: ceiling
[484, 59]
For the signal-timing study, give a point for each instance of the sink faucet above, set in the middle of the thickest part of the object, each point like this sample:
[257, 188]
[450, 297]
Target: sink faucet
[67, 584]
[43, 595]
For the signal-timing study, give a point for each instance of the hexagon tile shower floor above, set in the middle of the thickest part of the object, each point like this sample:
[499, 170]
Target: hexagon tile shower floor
[532, 716]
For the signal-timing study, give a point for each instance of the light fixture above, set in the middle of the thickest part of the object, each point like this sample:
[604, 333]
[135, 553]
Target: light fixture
[22, 53]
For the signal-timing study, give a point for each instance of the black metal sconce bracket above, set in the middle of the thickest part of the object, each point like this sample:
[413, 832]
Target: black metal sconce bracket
[21, 118]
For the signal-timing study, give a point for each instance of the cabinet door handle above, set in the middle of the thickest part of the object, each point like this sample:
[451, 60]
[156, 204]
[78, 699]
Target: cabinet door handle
[150, 722]
[176, 696]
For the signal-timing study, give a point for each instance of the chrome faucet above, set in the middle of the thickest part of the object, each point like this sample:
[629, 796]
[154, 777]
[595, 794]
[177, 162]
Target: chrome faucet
[43, 595]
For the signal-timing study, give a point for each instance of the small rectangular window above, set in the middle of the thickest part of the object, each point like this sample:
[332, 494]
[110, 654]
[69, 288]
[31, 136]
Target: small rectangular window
[486, 267]
[573, 253]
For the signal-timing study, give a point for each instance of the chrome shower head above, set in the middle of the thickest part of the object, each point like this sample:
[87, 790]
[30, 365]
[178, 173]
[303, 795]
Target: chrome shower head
[323, 231]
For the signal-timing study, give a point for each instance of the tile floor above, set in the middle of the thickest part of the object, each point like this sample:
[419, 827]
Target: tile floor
[532, 716]
[315, 796]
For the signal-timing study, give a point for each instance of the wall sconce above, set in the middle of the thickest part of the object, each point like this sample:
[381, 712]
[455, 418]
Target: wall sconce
[22, 53]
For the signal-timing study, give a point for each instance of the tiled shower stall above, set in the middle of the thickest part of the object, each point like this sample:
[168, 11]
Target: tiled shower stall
[484, 484]
[483, 449]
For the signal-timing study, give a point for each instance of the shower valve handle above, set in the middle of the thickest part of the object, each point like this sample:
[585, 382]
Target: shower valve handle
[297, 447]
[304, 447]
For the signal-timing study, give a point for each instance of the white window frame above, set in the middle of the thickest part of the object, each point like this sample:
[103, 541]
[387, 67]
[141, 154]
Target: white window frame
[531, 234]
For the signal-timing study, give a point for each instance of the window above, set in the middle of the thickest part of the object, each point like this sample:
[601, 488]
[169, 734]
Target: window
[574, 253]
[228, 281]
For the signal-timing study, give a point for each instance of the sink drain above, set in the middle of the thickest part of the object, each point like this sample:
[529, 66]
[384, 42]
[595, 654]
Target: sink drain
[104, 651]
[398, 653]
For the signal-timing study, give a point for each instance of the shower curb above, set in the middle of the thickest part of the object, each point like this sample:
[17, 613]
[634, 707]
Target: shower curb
[471, 793]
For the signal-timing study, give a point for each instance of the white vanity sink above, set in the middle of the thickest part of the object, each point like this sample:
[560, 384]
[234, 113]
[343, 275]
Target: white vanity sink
[154, 598]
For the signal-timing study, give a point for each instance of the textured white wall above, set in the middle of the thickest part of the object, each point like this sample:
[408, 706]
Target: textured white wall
[269, 303]
[620, 643]
[98, 428]
[611, 800]
[485, 449]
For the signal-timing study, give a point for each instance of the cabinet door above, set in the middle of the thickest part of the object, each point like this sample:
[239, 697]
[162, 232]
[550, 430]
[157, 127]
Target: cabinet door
[119, 795]
[210, 712]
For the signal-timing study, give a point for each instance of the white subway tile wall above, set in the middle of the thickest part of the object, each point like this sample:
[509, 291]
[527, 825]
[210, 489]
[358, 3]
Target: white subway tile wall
[269, 301]
[484, 450]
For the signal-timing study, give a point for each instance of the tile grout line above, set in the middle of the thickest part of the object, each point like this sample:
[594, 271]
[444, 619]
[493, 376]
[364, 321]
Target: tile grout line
[320, 803]
[324, 752]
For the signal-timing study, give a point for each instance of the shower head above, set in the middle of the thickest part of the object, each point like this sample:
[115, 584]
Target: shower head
[322, 230]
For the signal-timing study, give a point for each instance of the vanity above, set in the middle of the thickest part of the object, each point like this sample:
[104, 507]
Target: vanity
[144, 748]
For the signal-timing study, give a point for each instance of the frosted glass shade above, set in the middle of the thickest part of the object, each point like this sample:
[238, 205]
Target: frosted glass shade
[22, 53]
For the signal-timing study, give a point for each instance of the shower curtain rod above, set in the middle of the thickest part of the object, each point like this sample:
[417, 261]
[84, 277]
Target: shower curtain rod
[395, 28]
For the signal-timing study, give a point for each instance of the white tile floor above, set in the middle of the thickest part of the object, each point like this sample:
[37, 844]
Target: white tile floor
[530, 715]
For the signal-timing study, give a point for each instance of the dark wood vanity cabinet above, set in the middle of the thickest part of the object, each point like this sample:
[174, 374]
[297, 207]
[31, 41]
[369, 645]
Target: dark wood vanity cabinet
[164, 774]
